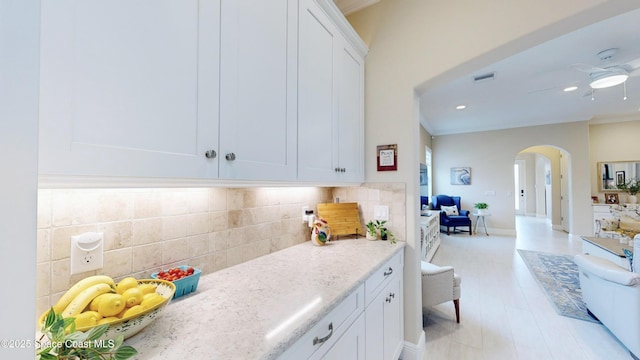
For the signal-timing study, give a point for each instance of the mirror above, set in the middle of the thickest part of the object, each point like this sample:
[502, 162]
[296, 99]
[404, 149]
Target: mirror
[611, 173]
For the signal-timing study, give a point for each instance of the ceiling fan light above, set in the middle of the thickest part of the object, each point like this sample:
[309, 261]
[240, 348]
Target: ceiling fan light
[608, 79]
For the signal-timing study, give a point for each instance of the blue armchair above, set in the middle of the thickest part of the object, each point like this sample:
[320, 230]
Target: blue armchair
[451, 221]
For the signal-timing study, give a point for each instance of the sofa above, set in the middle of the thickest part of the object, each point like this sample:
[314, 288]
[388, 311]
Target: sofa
[624, 220]
[612, 295]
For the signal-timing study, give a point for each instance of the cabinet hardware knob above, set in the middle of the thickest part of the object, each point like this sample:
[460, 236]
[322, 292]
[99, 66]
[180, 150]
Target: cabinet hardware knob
[210, 154]
[230, 156]
[343, 170]
[389, 272]
[392, 295]
[388, 300]
[336, 170]
[316, 340]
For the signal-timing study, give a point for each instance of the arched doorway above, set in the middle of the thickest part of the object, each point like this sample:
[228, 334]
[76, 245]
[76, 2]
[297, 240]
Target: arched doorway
[542, 180]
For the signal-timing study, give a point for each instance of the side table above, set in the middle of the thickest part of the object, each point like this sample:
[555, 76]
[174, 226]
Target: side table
[480, 217]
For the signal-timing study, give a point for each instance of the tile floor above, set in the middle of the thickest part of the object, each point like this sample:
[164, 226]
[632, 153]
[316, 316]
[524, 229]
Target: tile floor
[503, 312]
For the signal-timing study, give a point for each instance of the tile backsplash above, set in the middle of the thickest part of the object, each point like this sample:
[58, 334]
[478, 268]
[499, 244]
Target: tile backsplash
[146, 230]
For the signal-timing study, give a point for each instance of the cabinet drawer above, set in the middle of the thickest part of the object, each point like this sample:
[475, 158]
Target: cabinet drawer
[330, 328]
[381, 276]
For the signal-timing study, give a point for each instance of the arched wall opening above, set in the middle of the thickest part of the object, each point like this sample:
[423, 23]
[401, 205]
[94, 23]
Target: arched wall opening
[546, 189]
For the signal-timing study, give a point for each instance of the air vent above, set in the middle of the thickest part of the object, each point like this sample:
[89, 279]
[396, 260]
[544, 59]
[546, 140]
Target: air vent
[484, 77]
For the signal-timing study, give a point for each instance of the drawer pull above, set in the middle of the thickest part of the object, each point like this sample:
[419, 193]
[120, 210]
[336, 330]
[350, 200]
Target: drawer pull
[392, 295]
[320, 341]
[388, 299]
[389, 272]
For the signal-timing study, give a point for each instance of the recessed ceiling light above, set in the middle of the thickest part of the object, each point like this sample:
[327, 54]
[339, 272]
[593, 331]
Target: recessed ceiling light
[570, 88]
[461, 107]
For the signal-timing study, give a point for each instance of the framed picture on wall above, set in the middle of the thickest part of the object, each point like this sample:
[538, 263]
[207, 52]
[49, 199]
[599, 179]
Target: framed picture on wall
[460, 176]
[611, 198]
[620, 178]
[387, 157]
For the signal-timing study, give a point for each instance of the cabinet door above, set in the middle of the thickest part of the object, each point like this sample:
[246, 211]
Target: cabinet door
[129, 88]
[384, 320]
[351, 344]
[258, 83]
[317, 97]
[393, 320]
[350, 111]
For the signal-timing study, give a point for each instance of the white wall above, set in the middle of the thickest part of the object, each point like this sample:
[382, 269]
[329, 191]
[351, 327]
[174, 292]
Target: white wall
[19, 31]
[491, 161]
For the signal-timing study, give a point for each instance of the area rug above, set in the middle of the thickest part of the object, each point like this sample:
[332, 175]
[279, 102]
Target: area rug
[559, 279]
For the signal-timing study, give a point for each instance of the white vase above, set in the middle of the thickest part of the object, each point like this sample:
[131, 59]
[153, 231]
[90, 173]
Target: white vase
[371, 236]
[633, 199]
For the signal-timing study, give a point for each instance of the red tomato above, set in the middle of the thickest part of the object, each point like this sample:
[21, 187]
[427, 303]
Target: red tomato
[175, 273]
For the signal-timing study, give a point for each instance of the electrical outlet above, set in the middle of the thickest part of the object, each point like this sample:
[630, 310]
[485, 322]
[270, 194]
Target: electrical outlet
[381, 212]
[87, 252]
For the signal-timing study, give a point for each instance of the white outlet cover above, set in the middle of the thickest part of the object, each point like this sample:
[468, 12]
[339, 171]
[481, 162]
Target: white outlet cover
[87, 252]
[381, 212]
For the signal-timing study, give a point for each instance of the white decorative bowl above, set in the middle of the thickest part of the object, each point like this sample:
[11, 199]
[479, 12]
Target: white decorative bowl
[129, 326]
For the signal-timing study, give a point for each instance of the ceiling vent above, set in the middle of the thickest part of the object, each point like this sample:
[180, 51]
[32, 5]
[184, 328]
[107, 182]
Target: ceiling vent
[484, 77]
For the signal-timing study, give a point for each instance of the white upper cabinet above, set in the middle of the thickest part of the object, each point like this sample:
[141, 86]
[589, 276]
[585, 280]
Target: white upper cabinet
[258, 90]
[351, 114]
[330, 99]
[200, 90]
[129, 88]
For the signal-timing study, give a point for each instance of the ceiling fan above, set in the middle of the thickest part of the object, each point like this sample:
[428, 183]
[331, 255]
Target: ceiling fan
[610, 73]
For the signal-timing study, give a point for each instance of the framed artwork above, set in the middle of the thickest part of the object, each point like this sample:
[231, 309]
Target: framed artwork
[424, 180]
[387, 157]
[611, 198]
[620, 178]
[460, 176]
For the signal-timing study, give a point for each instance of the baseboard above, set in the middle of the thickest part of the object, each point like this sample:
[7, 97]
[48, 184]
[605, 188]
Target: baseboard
[413, 351]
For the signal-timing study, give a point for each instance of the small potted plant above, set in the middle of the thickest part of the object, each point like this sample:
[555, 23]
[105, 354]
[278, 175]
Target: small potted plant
[385, 234]
[481, 208]
[372, 231]
[632, 187]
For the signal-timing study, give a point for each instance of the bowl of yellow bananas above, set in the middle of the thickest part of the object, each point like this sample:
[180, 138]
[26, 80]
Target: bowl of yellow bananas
[128, 306]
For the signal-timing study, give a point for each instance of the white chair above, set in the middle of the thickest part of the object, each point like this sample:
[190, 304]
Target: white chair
[612, 294]
[440, 284]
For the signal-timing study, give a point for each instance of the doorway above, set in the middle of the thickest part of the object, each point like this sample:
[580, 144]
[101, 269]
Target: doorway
[542, 180]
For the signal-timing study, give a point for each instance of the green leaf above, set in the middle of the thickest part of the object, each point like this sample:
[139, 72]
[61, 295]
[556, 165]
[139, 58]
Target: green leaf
[47, 356]
[45, 353]
[96, 332]
[77, 336]
[50, 319]
[125, 352]
[118, 342]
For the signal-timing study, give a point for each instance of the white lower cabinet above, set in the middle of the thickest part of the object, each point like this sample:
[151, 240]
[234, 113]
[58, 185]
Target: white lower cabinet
[384, 313]
[351, 345]
[368, 324]
[330, 330]
[384, 323]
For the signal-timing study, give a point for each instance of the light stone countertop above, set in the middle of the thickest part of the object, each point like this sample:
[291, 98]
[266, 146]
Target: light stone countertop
[234, 311]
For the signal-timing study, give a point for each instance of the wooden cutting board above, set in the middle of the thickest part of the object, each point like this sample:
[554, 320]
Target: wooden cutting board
[343, 218]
